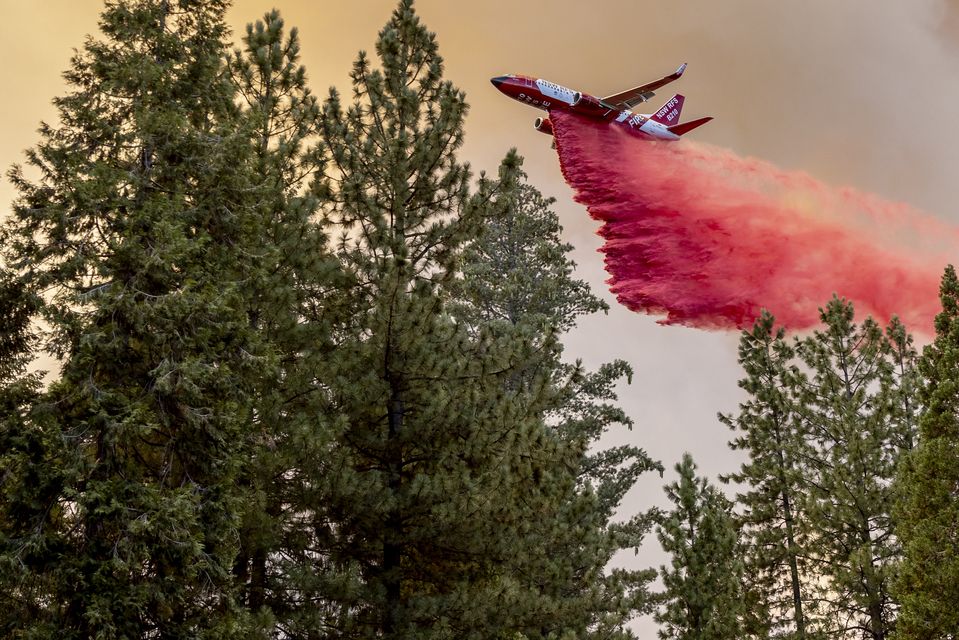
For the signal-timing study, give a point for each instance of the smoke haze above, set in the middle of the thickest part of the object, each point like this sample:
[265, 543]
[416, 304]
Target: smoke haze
[858, 92]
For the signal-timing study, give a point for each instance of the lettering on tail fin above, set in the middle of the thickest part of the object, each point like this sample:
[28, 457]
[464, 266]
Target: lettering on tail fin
[668, 114]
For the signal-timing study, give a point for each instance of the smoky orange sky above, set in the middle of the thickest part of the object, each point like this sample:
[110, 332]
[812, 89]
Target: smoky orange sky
[858, 92]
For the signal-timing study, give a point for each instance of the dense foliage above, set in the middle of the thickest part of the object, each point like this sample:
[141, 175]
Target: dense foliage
[310, 383]
[138, 240]
[927, 508]
[703, 585]
[281, 405]
[828, 418]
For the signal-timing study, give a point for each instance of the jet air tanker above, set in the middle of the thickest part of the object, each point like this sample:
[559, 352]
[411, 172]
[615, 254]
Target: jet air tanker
[542, 94]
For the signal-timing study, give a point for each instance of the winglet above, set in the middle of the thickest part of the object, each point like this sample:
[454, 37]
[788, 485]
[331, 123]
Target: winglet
[680, 70]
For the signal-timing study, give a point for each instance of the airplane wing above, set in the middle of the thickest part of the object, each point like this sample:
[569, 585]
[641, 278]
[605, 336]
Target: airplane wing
[632, 97]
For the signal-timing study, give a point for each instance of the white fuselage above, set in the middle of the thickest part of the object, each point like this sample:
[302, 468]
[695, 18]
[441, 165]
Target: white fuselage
[551, 96]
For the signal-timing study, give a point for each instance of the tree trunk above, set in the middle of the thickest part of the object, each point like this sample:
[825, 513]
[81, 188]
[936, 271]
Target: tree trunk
[392, 545]
[790, 542]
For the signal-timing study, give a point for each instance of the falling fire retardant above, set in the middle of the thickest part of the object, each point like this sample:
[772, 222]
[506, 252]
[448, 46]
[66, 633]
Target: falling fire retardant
[707, 239]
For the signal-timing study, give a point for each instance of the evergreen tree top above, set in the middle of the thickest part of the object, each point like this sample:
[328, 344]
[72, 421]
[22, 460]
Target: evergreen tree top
[394, 182]
[939, 363]
[519, 267]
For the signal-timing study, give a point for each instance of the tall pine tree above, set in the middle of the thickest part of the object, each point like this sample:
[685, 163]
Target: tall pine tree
[517, 277]
[142, 233]
[851, 406]
[773, 523]
[293, 302]
[703, 595]
[436, 468]
[927, 506]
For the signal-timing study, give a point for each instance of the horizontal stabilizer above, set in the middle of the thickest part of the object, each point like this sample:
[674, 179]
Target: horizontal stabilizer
[686, 127]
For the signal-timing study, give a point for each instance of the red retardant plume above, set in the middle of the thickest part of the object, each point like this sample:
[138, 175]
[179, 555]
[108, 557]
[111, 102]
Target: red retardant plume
[708, 239]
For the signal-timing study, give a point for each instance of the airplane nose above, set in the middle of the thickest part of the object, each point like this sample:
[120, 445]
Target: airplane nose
[498, 80]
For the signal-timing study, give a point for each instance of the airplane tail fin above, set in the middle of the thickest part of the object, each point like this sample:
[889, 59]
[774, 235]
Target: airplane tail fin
[668, 114]
[680, 129]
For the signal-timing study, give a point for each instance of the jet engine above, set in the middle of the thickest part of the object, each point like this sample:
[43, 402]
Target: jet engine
[543, 125]
[588, 105]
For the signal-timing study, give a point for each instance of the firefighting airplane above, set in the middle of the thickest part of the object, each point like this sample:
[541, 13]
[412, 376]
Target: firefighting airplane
[662, 125]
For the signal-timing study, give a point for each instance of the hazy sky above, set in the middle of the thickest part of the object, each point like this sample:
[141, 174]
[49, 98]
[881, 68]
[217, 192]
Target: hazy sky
[858, 92]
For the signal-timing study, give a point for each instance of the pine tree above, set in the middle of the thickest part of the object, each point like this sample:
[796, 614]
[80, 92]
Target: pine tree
[517, 277]
[703, 599]
[19, 488]
[141, 234]
[852, 412]
[435, 468]
[773, 525]
[517, 270]
[904, 402]
[291, 302]
[927, 507]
